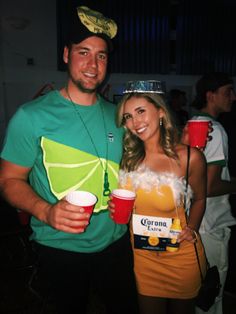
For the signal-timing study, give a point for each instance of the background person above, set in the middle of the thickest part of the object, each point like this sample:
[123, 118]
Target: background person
[177, 102]
[154, 166]
[61, 142]
[215, 95]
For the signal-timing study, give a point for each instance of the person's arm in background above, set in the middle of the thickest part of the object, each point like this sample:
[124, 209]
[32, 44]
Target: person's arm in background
[185, 135]
[15, 188]
[215, 185]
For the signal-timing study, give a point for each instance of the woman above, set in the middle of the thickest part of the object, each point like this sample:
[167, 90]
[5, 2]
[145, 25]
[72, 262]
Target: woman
[154, 166]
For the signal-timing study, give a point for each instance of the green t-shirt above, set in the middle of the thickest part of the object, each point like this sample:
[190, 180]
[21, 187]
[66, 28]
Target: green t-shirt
[48, 136]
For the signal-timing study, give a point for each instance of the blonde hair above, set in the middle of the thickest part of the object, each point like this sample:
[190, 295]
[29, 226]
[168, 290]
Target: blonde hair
[133, 147]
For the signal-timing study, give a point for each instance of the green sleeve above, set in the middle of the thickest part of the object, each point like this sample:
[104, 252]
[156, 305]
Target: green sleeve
[20, 144]
[218, 162]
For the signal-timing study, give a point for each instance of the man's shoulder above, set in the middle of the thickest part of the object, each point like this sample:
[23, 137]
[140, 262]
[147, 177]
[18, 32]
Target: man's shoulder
[201, 116]
[217, 126]
[40, 104]
[41, 100]
[107, 105]
[106, 101]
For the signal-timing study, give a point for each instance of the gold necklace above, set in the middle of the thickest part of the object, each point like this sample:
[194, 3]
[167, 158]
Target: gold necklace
[106, 189]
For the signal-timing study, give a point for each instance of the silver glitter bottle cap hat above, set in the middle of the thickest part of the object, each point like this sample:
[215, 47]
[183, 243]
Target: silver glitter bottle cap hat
[149, 86]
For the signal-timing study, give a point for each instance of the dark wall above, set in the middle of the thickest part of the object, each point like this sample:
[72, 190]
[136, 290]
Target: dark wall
[162, 36]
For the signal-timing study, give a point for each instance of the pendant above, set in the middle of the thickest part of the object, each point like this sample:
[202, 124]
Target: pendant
[106, 190]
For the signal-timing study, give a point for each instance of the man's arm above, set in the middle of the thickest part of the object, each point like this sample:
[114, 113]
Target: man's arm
[16, 190]
[215, 185]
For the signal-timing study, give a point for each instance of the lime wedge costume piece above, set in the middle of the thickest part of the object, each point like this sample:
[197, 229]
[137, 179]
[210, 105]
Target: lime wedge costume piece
[69, 169]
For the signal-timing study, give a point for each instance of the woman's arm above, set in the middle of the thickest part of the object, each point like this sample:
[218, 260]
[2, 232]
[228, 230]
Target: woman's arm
[198, 182]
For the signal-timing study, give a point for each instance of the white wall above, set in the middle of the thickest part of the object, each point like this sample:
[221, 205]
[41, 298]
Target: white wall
[28, 30]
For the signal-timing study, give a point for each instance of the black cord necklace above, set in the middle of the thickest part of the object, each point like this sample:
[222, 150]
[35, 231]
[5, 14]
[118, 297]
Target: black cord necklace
[106, 189]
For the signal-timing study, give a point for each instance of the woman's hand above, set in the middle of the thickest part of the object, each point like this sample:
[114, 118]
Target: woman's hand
[111, 207]
[188, 234]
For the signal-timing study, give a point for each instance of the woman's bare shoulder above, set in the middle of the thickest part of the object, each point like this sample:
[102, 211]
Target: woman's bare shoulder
[195, 154]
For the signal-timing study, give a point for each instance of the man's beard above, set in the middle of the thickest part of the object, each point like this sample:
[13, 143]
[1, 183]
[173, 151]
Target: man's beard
[83, 89]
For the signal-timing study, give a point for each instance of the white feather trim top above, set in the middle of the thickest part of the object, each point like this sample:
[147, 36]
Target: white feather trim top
[147, 179]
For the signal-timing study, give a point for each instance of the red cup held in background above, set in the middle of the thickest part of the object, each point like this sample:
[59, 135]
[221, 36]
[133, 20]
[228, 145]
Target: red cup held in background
[198, 130]
[24, 217]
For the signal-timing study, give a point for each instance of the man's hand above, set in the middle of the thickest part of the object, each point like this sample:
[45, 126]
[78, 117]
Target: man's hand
[66, 217]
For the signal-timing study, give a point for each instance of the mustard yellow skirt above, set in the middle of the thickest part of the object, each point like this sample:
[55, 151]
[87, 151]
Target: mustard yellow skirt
[169, 274]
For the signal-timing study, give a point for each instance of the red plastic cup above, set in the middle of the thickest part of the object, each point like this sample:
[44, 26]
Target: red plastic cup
[84, 199]
[124, 203]
[198, 130]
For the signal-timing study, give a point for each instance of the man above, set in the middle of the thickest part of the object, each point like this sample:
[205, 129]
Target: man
[215, 95]
[63, 141]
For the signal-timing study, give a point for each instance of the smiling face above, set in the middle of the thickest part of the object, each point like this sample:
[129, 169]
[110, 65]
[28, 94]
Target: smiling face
[142, 118]
[87, 63]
